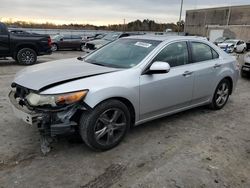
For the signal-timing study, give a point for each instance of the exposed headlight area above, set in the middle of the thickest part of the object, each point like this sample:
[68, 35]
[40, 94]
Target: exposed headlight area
[59, 100]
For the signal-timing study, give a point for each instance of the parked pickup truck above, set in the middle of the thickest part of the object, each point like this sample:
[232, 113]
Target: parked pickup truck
[23, 48]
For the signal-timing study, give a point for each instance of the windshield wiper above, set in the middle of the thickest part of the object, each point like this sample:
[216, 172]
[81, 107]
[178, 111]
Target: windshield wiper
[98, 64]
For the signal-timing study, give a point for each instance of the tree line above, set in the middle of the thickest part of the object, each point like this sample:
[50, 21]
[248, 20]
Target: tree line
[137, 25]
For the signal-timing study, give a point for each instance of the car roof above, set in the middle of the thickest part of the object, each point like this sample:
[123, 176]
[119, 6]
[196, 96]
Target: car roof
[165, 37]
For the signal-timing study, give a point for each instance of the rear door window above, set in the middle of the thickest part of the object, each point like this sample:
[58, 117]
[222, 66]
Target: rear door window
[67, 37]
[215, 54]
[201, 52]
[76, 37]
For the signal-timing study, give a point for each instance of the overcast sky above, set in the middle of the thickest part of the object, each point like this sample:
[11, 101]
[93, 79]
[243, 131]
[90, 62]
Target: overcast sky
[102, 12]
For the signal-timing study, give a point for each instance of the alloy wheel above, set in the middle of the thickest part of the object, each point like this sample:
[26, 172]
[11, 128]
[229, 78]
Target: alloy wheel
[54, 47]
[27, 57]
[222, 94]
[110, 126]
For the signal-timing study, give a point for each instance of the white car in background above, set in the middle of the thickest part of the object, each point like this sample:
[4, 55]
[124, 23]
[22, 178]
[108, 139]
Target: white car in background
[245, 69]
[233, 45]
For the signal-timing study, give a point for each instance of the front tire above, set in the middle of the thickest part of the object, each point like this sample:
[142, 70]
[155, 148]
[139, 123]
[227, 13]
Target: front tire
[26, 56]
[221, 95]
[105, 127]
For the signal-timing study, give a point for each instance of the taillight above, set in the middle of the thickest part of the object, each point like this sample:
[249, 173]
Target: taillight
[49, 42]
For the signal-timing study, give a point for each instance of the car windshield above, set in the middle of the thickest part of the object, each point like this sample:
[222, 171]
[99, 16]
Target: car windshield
[230, 41]
[112, 36]
[123, 53]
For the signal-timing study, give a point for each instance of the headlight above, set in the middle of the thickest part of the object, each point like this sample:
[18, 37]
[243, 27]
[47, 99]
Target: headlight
[55, 100]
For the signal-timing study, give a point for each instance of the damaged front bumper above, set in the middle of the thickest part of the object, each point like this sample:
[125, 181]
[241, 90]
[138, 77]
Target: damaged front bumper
[53, 122]
[50, 122]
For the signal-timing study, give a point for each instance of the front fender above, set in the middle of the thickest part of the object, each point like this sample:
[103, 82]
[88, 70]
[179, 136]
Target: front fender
[131, 94]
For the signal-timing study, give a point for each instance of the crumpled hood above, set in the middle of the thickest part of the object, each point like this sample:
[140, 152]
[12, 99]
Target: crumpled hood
[39, 76]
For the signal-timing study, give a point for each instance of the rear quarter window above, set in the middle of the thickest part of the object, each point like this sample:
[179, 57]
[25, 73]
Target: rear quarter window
[215, 54]
[202, 52]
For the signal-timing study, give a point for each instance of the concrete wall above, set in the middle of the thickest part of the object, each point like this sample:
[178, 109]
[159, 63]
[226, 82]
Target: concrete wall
[234, 31]
[235, 21]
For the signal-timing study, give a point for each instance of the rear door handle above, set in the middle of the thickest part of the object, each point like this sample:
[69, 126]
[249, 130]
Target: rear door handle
[217, 66]
[187, 73]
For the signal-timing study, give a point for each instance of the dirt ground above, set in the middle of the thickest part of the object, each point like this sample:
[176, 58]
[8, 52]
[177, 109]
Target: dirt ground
[196, 148]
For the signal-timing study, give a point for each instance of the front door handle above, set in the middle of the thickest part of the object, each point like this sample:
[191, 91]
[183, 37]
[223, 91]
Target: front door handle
[187, 73]
[217, 66]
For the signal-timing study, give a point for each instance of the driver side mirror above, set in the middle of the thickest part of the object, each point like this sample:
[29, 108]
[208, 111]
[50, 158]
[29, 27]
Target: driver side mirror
[158, 67]
[61, 39]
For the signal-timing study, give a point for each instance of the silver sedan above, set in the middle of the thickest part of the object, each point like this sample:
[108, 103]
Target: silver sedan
[128, 82]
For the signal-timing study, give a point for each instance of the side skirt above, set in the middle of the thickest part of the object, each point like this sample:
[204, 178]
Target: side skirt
[171, 112]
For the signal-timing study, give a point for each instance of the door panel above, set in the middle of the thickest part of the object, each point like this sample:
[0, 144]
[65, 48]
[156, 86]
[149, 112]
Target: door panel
[204, 81]
[162, 93]
[66, 42]
[76, 43]
[205, 65]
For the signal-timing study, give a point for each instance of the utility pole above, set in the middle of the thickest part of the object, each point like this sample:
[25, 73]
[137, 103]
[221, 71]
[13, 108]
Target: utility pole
[229, 13]
[124, 24]
[179, 25]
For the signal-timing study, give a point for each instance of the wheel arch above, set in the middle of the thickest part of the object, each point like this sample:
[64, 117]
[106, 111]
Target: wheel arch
[55, 44]
[231, 83]
[129, 105]
[22, 46]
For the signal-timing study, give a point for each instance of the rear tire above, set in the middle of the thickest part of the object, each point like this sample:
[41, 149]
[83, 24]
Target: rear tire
[26, 56]
[106, 126]
[221, 95]
[54, 47]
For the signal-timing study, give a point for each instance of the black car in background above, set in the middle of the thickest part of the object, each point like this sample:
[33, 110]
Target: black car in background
[110, 37]
[23, 47]
[73, 42]
[94, 36]
[19, 32]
